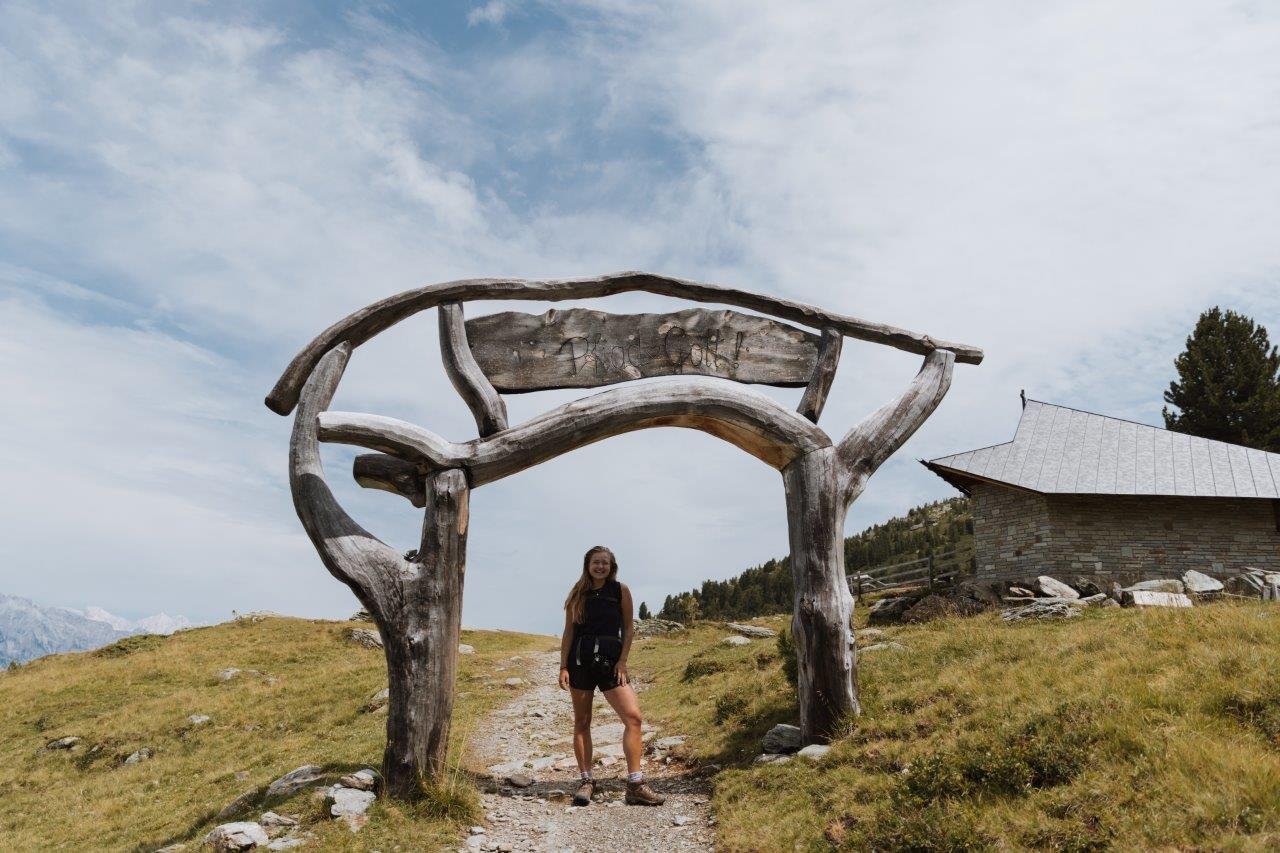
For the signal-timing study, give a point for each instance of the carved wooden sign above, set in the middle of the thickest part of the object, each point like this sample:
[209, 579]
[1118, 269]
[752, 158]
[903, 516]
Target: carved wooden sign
[581, 348]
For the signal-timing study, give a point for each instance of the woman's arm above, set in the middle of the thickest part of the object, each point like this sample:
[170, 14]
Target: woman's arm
[566, 639]
[628, 629]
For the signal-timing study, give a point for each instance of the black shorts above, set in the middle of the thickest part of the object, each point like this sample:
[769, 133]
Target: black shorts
[581, 678]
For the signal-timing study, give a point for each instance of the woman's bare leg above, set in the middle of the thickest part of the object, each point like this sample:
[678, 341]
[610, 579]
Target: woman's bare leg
[623, 700]
[582, 727]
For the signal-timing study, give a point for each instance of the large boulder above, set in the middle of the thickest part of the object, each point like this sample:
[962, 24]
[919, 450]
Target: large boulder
[1054, 588]
[349, 805]
[294, 781]
[655, 627]
[781, 739]
[1200, 583]
[366, 637]
[938, 606]
[1043, 609]
[1154, 598]
[735, 640]
[243, 835]
[752, 630]
[890, 609]
[1172, 585]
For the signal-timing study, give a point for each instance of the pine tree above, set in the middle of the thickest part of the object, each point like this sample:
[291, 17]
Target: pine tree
[1228, 385]
[644, 610]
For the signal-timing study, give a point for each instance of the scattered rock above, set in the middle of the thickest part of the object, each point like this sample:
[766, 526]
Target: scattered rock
[771, 758]
[708, 770]
[1040, 610]
[286, 843]
[376, 702]
[273, 819]
[814, 751]
[361, 615]
[1154, 598]
[1054, 588]
[477, 830]
[735, 640]
[515, 682]
[68, 742]
[782, 738]
[294, 781]
[1100, 600]
[679, 820]
[366, 637]
[361, 780]
[1088, 587]
[519, 780]
[244, 835]
[198, 719]
[867, 634]
[890, 609]
[349, 805]
[464, 649]
[669, 742]
[1021, 592]
[1159, 585]
[1200, 583]
[889, 646]
[228, 674]
[938, 606]
[655, 627]
[139, 756]
[752, 630]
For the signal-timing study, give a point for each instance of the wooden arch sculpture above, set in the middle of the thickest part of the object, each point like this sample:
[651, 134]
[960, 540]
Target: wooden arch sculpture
[416, 599]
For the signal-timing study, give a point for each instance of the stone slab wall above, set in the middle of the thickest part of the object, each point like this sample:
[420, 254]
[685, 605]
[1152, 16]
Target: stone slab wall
[1119, 537]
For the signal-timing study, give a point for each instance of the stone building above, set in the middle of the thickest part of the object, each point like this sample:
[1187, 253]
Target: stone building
[1076, 493]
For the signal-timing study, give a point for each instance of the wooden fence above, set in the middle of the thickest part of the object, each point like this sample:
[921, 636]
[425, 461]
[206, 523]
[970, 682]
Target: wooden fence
[935, 570]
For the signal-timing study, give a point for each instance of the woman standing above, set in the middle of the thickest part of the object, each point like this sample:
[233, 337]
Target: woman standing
[593, 653]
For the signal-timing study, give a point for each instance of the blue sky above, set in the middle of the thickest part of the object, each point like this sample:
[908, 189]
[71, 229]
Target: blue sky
[188, 193]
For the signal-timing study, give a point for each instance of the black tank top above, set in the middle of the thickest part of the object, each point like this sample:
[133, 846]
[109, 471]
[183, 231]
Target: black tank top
[602, 612]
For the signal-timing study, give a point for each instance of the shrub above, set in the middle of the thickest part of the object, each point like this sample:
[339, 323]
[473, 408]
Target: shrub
[697, 667]
[787, 651]
[731, 704]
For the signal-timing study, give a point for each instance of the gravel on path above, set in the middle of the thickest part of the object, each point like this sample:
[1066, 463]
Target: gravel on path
[532, 736]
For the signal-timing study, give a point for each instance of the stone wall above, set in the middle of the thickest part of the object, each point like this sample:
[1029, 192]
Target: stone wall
[1120, 537]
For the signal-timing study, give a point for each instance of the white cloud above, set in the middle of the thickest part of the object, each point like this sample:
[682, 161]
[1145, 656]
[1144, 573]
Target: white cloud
[185, 200]
[493, 12]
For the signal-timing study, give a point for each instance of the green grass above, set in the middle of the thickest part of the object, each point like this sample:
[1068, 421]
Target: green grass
[139, 693]
[1120, 729]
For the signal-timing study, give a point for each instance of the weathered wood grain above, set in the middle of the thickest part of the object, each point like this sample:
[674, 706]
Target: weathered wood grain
[827, 684]
[824, 373]
[581, 348]
[382, 471]
[363, 324]
[468, 379]
[737, 415]
[420, 629]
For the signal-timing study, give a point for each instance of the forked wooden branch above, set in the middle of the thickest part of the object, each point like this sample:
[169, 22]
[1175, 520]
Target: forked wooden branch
[468, 379]
[350, 553]
[875, 439]
[362, 325]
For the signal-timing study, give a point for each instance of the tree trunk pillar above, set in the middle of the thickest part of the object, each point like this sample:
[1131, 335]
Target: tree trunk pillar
[823, 604]
[420, 635]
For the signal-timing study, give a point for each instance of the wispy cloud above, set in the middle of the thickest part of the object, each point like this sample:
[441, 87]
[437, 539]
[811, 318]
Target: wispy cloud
[187, 195]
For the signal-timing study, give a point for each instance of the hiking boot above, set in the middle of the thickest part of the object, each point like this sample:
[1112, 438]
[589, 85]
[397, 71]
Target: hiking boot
[584, 793]
[640, 794]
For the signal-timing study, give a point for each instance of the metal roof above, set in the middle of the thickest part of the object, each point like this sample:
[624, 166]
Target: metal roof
[1067, 451]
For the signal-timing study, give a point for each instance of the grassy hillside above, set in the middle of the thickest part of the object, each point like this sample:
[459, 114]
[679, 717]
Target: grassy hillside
[1119, 729]
[303, 709]
[942, 527]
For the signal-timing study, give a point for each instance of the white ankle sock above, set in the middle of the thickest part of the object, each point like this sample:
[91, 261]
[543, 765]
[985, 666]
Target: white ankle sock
[586, 774]
[638, 776]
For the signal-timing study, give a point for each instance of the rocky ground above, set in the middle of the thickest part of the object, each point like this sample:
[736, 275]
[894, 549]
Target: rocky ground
[527, 748]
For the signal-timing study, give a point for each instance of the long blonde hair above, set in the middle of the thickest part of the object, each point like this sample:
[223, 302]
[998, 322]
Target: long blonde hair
[576, 603]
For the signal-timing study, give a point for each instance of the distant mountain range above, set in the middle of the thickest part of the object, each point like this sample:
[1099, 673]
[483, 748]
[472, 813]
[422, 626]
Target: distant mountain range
[29, 630]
